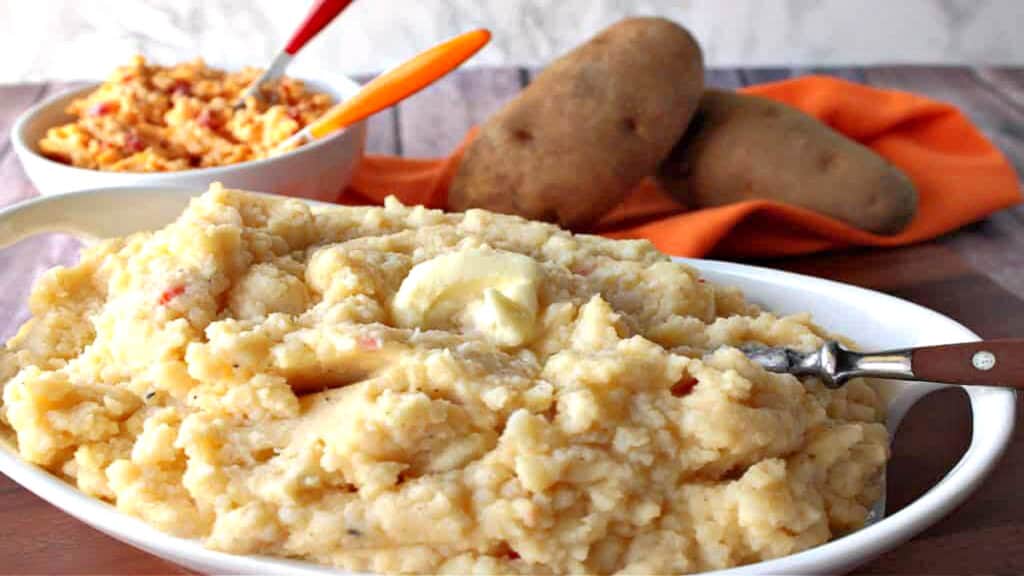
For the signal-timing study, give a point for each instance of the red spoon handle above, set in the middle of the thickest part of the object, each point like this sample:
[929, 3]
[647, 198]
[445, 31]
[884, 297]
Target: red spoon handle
[992, 362]
[321, 15]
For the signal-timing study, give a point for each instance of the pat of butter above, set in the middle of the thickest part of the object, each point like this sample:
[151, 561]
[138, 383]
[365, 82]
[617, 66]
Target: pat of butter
[491, 291]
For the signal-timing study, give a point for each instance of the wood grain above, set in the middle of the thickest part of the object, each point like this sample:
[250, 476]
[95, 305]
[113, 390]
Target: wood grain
[931, 275]
[1005, 82]
[40, 539]
[975, 275]
[433, 122]
[16, 99]
[722, 79]
[381, 129]
[763, 75]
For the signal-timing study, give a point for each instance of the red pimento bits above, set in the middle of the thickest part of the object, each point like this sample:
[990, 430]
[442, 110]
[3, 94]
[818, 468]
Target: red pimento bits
[102, 108]
[133, 144]
[683, 387]
[208, 119]
[506, 551]
[369, 342]
[181, 88]
[293, 113]
[171, 293]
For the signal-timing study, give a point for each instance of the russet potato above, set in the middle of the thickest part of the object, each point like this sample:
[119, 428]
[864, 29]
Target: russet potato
[741, 147]
[588, 128]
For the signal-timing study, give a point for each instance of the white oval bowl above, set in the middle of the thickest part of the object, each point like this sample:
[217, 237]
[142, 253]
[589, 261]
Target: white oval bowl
[874, 320]
[317, 171]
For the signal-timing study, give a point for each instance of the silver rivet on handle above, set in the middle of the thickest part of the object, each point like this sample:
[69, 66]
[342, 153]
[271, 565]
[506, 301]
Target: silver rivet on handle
[983, 360]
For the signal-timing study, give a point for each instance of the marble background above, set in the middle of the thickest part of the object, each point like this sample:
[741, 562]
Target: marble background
[75, 39]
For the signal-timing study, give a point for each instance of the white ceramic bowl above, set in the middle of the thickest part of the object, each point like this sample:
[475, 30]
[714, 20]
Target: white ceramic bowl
[317, 171]
[873, 319]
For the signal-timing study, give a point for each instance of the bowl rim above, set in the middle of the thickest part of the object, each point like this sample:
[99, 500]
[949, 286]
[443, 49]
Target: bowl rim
[993, 420]
[343, 85]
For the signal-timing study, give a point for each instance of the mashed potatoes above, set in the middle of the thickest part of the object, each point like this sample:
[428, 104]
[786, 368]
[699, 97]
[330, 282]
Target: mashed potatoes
[148, 118]
[402, 390]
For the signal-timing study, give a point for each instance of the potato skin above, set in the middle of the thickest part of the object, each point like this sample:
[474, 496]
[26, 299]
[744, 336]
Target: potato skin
[742, 147]
[588, 128]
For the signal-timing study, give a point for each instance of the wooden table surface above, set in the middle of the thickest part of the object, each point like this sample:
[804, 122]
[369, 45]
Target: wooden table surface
[975, 275]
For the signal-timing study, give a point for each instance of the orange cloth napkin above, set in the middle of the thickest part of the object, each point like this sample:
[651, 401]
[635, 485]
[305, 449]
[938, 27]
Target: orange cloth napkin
[960, 177]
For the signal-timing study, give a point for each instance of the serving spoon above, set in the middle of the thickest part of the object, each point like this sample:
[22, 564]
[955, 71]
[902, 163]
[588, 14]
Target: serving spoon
[320, 15]
[997, 363]
[392, 86]
[992, 363]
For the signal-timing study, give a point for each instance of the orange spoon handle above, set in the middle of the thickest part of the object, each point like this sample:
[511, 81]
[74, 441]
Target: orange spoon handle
[401, 82]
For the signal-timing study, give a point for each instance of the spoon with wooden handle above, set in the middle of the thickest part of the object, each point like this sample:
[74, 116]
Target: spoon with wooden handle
[985, 363]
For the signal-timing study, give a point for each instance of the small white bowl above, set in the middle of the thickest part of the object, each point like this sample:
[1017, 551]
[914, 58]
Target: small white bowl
[317, 171]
